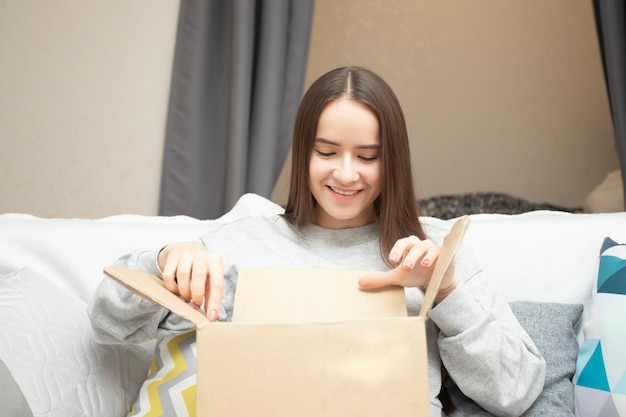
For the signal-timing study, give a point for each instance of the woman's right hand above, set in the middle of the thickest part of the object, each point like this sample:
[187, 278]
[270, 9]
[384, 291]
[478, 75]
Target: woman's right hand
[194, 273]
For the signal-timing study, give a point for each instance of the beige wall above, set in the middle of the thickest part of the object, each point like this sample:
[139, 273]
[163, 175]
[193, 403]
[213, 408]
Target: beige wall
[83, 96]
[499, 95]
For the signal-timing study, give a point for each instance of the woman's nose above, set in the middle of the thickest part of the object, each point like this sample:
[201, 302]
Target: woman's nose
[346, 172]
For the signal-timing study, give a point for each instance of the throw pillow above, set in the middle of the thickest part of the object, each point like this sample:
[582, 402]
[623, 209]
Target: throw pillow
[601, 369]
[553, 328]
[47, 343]
[170, 389]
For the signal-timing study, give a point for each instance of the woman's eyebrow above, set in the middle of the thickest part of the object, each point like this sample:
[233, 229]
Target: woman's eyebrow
[330, 142]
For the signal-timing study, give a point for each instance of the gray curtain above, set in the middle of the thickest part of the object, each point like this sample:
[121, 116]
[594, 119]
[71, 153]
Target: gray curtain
[237, 80]
[611, 25]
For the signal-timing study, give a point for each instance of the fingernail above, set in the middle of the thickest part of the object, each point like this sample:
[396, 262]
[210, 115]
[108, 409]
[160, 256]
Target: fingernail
[393, 257]
[426, 262]
[212, 315]
[408, 264]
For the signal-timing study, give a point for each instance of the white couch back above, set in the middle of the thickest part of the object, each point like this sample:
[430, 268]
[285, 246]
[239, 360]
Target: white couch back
[543, 255]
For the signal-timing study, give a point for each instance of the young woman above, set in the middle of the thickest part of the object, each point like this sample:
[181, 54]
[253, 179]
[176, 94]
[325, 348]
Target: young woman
[351, 205]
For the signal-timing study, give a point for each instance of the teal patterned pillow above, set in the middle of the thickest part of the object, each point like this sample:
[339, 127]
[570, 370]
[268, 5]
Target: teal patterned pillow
[600, 379]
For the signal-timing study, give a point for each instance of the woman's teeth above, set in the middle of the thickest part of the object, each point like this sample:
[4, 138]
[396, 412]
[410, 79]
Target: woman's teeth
[346, 193]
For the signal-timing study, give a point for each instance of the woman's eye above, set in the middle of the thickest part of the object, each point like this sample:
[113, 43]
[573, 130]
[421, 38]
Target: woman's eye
[369, 158]
[325, 154]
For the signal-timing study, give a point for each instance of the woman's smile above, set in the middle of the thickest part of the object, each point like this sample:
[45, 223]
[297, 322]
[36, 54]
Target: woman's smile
[344, 193]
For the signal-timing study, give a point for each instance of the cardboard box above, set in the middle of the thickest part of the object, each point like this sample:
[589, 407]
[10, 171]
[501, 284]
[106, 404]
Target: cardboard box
[309, 343]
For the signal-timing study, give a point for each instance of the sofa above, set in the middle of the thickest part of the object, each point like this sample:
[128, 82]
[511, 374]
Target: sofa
[545, 263]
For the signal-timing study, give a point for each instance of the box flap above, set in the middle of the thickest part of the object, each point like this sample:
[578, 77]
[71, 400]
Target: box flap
[449, 247]
[153, 289]
[300, 295]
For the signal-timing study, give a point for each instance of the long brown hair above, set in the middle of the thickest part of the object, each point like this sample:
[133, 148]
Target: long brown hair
[396, 207]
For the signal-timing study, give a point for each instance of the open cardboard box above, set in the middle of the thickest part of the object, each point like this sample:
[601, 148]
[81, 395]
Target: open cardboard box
[309, 343]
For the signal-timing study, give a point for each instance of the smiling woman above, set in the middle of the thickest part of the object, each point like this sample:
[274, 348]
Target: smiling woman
[351, 207]
[358, 107]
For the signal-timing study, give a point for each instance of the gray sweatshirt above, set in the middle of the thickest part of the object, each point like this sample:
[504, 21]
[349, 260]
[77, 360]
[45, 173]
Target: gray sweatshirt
[473, 331]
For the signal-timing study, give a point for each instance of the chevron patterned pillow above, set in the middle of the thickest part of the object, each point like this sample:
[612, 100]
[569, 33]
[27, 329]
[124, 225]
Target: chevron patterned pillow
[170, 389]
[600, 379]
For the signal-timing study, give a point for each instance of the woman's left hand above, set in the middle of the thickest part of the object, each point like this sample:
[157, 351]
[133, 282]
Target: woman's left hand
[416, 261]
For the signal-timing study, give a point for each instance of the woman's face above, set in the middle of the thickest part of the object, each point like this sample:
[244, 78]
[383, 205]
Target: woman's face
[345, 167]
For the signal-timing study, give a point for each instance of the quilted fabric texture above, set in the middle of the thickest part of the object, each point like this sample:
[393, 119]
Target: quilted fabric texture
[47, 343]
[170, 389]
[553, 328]
[601, 369]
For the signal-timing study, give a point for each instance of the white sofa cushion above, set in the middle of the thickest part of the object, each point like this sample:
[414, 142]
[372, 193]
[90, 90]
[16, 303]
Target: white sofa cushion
[47, 343]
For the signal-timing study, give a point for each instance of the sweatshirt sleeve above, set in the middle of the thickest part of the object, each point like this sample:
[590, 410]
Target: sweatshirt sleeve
[118, 315]
[487, 352]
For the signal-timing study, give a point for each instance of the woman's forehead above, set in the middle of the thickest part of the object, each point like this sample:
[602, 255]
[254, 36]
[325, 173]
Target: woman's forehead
[348, 120]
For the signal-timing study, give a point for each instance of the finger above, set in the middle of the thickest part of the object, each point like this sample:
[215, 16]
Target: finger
[198, 283]
[379, 279]
[424, 254]
[430, 257]
[183, 277]
[401, 248]
[169, 274]
[214, 289]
